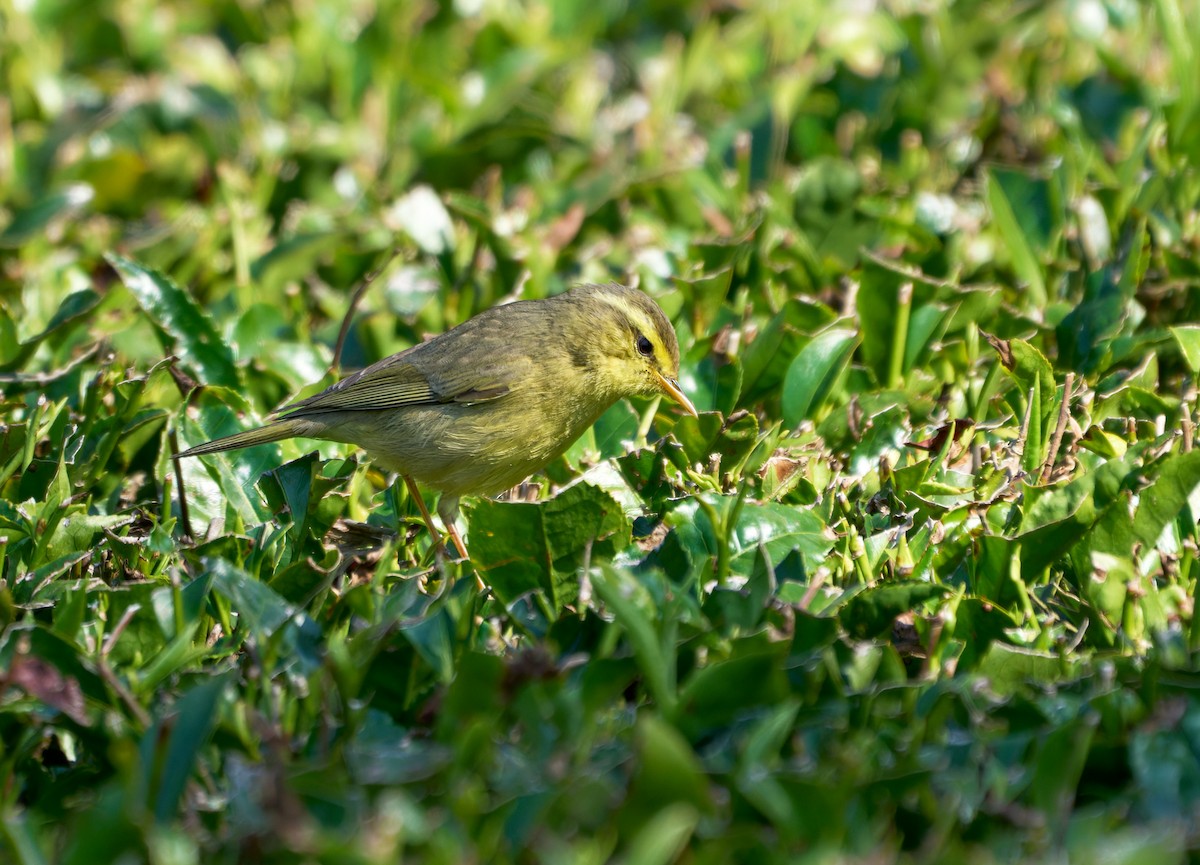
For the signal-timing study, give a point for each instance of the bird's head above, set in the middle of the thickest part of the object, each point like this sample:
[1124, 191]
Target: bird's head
[626, 341]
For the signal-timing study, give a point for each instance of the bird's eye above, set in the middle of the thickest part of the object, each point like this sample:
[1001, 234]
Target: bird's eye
[644, 347]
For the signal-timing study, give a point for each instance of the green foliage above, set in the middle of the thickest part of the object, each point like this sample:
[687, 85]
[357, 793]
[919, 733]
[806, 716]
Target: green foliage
[917, 586]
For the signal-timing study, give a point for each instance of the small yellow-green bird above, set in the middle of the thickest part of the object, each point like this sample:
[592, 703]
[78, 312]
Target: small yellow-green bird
[479, 408]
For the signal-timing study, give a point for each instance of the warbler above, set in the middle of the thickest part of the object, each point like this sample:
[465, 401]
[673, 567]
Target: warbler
[481, 407]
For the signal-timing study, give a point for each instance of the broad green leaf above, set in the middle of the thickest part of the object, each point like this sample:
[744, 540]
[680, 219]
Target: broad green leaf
[714, 385]
[75, 308]
[187, 329]
[766, 359]
[259, 609]
[871, 613]
[1188, 338]
[1061, 758]
[520, 547]
[221, 482]
[780, 528]
[997, 573]
[668, 770]
[1172, 493]
[814, 373]
[926, 326]
[977, 624]
[1085, 336]
[706, 295]
[78, 531]
[433, 638]
[383, 753]
[1012, 669]
[290, 259]
[1175, 491]
[713, 695]
[1165, 766]
[1036, 398]
[884, 306]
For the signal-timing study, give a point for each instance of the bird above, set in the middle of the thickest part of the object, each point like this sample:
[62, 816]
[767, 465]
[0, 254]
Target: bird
[481, 407]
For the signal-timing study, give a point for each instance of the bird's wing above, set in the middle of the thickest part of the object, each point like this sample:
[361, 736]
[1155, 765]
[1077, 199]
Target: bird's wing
[396, 382]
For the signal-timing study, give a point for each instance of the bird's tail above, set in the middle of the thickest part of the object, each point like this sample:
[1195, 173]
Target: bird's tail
[272, 432]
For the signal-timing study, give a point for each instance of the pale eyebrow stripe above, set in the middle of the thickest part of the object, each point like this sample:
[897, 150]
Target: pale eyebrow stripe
[635, 315]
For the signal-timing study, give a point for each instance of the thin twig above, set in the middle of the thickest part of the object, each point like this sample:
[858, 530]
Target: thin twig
[1188, 427]
[814, 586]
[119, 628]
[1064, 412]
[1078, 638]
[135, 708]
[585, 578]
[355, 299]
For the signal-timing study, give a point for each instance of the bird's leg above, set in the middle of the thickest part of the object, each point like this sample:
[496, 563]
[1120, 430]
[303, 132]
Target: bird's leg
[448, 511]
[433, 530]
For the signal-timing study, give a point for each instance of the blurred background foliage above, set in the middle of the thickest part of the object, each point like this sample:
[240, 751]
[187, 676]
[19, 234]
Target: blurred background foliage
[917, 586]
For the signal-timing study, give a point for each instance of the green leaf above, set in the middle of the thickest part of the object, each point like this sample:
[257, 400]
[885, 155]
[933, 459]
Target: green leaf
[872, 611]
[292, 258]
[814, 373]
[433, 638]
[520, 547]
[766, 359]
[613, 587]
[383, 753]
[1061, 758]
[977, 624]
[667, 768]
[714, 385]
[715, 694]
[1010, 669]
[706, 294]
[259, 609]
[663, 838]
[1037, 396]
[1188, 338]
[1086, 334]
[187, 330]
[78, 531]
[75, 308]
[16, 836]
[1176, 486]
[1020, 248]
[779, 528]
[33, 220]
[1165, 766]
[192, 720]
[220, 482]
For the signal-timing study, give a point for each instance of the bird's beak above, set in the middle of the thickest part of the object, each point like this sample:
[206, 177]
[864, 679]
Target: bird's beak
[671, 389]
